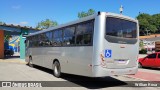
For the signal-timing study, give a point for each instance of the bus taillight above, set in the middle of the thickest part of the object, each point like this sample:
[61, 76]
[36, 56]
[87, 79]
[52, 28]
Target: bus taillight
[103, 62]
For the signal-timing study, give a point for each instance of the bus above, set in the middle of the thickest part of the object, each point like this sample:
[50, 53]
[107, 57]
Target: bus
[103, 44]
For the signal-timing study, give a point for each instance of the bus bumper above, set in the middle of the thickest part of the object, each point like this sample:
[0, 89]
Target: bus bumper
[99, 71]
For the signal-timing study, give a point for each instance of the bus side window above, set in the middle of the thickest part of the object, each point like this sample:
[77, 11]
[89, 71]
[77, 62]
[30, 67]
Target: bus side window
[87, 39]
[57, 38]
[41, 38]
[48, 39]
[69, 36]
[30, 41]
[79, 39]
[84, 33]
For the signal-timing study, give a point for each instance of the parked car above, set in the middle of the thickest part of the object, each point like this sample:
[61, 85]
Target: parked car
[151, 60]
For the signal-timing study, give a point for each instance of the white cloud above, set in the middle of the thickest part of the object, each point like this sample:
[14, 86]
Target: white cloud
[15, 24]
[16, 7]
[23, 23]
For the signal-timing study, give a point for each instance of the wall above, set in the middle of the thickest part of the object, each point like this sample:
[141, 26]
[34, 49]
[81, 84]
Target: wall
[22, 44]
[1, 44]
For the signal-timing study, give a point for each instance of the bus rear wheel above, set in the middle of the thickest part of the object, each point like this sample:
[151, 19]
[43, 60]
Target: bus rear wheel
[30, 63]
[56, 69]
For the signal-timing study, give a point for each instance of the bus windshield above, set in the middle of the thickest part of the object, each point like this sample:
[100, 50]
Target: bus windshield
[121, 31]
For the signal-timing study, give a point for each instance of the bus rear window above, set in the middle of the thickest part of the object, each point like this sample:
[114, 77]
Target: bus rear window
[121, 31]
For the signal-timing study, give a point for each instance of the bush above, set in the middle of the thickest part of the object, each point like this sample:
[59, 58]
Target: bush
[143, 51]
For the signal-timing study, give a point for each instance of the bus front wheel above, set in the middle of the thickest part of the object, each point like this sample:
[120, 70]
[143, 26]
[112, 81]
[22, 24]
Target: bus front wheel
[56, 69]
[30, 62]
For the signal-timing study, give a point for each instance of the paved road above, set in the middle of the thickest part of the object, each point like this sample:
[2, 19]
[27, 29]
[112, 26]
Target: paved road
[15, 71]
[148, 74]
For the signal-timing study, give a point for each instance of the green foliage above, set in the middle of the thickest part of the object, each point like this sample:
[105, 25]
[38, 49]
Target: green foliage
[143, 51]
[46, 24]
[156, 21]
[1, 23]
[149, 22]
[153, 28]
[84, 14]
[141, 44]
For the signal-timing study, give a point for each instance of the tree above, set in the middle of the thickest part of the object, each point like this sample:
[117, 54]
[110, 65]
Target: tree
[153, 28]
[141, 45]
[144, 20]
[84, 14]
[148, 22]
[1, 23]
[156, 20]
[46, 24]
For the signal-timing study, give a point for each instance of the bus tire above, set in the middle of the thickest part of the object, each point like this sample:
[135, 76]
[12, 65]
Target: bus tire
[56, 69]
[30, 63]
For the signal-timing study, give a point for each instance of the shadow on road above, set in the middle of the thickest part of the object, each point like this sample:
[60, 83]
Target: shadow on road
[151, 68]
[11, 57]
[93, 83]
[87, 82]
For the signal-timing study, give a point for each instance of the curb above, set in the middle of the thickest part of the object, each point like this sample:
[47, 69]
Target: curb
[14, 61]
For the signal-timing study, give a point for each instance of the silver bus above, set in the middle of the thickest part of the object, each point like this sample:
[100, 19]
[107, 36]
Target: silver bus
[99, 45]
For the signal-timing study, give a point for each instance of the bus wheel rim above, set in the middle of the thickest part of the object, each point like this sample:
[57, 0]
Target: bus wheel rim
[56, 69]
[30, 61]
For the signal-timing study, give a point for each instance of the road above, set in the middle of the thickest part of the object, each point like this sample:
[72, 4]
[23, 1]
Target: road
[148, 74]
[15, 71]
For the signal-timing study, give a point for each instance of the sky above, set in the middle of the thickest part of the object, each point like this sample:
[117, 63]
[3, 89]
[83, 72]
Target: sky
[30, 12]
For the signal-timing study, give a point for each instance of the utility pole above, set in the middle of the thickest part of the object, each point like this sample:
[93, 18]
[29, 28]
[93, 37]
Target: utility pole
[147, 41]
[147, 32]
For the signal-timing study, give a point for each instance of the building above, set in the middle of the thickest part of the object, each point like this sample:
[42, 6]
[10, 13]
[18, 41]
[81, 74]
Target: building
[15, 34]
[149, 41]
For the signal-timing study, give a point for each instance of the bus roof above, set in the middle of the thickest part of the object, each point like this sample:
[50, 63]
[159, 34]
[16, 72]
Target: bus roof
[82, 20]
